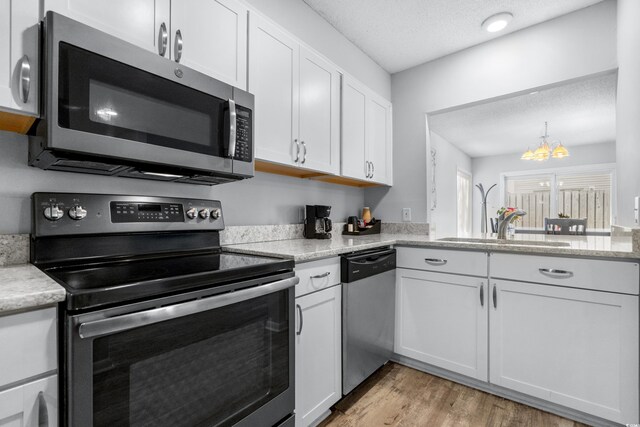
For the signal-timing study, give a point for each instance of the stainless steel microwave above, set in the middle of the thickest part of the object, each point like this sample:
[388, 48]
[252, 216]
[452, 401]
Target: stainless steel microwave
[112, 108]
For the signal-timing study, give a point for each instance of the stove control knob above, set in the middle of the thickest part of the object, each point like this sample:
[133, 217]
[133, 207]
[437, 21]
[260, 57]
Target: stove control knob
[191, 213]
[53, 213]
[77, 212]
[215, 213]
[204, 213]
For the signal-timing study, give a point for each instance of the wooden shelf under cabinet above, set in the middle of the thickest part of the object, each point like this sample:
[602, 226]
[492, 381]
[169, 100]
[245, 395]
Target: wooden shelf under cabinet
[274, 168]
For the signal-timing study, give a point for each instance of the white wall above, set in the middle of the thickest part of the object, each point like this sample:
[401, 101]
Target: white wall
[565, 48]
[628, 109]
[264, 199]
[487, 170]
[302, 21]
[448, 160]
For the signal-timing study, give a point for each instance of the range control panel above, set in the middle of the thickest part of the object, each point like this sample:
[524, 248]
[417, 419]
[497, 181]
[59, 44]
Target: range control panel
[73, 213]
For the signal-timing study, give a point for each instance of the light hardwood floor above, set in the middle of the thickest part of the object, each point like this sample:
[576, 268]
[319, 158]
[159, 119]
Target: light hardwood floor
[400, 396]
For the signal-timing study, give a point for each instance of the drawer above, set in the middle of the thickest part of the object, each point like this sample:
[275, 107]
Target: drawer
[317, 275]
[28, 345]
[600, 275]
[443, 260]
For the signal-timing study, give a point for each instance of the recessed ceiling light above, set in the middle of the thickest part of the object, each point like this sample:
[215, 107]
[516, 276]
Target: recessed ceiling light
[497, 22]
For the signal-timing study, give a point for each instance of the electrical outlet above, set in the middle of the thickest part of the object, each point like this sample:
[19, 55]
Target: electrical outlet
[406, 214]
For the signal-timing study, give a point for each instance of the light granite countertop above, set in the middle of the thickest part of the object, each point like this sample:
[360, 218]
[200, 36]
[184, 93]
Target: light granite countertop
[24, 287]
[301, 250]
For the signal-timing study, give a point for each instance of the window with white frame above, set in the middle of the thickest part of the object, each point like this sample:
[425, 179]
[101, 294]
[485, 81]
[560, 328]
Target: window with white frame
[464, 204]
[572, 192]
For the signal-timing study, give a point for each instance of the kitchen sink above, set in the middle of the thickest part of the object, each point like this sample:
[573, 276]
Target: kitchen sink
[504, 242]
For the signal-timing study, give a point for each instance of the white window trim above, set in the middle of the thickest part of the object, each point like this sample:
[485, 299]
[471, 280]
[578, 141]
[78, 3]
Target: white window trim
[609, 168]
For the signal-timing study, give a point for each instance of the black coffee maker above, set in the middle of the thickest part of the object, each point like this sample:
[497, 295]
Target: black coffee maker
[317, 224]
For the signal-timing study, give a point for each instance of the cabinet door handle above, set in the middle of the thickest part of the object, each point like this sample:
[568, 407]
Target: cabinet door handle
[373, 170]
[163, 39]
[24, 82]
[299, 331]
[178, 46]
[297, 151]
[481, 294]
[495, 297]
[320, 276]
[43, 411]
[435, 261]
[304, 155]
[556, 274]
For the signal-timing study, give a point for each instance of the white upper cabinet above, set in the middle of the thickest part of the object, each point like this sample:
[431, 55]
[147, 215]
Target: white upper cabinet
[141, 22]
[273, 79]
[319, 113]
[209, 36]
[354, 130]
[297, 100]
[213, 34]
[19, 47]
[379, 147]
[367, 147]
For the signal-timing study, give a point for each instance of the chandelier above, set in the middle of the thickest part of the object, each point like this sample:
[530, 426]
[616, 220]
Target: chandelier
[546, 150]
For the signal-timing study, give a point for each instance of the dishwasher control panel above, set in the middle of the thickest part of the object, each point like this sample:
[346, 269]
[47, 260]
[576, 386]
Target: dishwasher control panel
[360, 265]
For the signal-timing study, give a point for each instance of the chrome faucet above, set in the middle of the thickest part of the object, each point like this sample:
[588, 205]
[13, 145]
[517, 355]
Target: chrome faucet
[505, 220]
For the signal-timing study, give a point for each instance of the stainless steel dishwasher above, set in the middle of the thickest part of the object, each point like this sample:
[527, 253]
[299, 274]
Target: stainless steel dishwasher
[368, 310]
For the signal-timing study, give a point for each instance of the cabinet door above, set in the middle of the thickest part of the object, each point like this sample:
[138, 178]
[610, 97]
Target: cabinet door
[318, 354]
[441, 319]
[273, 79]
[136, 21]
[573, 347]
[214, 38]
[354, 132]
[31, 405]
[19, 47]
[319, 113]
[379, 148]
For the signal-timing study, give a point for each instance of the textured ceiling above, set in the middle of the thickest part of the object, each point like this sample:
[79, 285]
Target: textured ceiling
[399, 34]
[578, 113]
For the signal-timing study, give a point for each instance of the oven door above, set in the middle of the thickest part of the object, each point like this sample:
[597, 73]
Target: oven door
[218, 360]
[108, 98]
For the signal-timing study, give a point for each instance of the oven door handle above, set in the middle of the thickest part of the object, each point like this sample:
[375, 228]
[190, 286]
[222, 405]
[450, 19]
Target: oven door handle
[125, 322]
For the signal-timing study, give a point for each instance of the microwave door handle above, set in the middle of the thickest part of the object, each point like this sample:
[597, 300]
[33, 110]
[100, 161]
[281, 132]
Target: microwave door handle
[125, 322]
[232, 128]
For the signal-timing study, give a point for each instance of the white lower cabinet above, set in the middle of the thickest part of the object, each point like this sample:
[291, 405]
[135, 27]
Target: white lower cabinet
[577, 348]
[441, 319]
[318, 353]
[34, 404]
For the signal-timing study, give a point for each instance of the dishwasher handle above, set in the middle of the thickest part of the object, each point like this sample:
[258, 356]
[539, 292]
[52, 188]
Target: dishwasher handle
[359, 266]
[373, 260]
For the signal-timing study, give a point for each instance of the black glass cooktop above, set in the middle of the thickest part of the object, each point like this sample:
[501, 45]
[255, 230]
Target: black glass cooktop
[111, 283]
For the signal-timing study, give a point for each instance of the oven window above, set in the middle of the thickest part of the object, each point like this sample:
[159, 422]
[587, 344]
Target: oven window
[101, 96]
[210, 368]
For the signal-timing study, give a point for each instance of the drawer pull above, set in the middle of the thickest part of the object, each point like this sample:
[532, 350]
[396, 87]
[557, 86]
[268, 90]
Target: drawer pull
[556, 274]
[320, 276]
[435, 261]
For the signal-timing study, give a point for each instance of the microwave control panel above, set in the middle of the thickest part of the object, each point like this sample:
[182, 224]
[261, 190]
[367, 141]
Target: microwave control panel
[244, 135]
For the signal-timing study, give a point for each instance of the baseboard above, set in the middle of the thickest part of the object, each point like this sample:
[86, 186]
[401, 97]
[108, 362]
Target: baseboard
[504, 392]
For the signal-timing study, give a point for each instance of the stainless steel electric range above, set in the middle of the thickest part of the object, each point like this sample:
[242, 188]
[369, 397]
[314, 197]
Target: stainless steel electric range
[160, 326]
